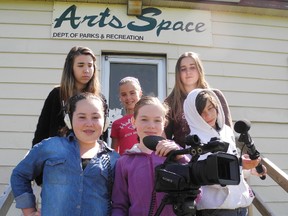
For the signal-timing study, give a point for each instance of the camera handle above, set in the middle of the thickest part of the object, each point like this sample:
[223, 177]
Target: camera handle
[164, 201]
[183, 203]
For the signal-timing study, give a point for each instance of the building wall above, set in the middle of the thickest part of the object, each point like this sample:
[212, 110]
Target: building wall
[247, 61]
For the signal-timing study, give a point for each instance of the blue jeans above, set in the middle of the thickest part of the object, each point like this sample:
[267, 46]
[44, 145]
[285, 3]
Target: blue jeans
[223, 212]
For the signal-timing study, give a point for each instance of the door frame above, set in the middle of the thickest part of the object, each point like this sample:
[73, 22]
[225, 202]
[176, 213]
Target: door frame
[155, 60]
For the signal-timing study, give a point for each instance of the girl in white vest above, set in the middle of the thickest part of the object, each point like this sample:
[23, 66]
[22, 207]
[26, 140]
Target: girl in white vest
[205, 117]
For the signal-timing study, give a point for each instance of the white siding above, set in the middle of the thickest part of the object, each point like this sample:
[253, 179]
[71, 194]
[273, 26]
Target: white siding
[248, 62]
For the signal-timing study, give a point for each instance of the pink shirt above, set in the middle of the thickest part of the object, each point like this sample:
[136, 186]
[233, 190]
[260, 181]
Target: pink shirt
[123, 130]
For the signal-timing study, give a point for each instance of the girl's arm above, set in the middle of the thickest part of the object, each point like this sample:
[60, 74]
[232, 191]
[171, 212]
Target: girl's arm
[23, 175]
[30, 212]
[114, 136]
[115, 144]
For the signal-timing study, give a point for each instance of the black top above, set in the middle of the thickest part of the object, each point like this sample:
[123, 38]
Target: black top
[85, 162]
[51, 118]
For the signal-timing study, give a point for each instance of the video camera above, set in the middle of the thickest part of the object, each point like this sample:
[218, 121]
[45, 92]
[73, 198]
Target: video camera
[182, 181]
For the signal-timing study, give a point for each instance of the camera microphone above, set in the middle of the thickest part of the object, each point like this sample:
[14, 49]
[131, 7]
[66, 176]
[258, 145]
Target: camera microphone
[242, 127]
[151, 141]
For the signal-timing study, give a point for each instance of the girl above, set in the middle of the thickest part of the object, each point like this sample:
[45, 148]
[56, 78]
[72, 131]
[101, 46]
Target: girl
[123, 133]
[78, 170]
[134, 175]
[189, 74]
[205, 117]
[79, 75]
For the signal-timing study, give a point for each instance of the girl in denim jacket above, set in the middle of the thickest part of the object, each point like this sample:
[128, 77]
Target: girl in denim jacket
[78, 170]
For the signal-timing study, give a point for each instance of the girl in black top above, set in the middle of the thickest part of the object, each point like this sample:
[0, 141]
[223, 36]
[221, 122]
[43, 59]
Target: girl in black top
[79, 75]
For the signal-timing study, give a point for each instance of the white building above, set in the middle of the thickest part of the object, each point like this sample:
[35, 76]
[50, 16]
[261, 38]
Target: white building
[243, 45]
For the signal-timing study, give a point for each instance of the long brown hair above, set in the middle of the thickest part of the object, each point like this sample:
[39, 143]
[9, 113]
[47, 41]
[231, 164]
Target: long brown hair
[177, 96]
[67, 85]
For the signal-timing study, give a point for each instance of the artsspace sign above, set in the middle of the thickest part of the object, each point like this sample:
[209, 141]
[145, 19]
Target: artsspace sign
[111, 22]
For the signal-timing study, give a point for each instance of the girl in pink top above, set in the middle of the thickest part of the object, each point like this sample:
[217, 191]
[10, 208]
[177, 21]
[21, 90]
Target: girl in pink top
[123, 133]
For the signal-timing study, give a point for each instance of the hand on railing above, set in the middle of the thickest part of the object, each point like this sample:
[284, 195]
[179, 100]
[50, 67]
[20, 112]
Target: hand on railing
[263, 173]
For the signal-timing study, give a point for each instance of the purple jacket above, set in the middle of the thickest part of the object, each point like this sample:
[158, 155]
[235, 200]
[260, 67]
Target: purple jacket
[133, 185]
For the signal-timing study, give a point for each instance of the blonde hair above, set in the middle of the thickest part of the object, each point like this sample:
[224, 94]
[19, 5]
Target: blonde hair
[132, 80]
[151, 100]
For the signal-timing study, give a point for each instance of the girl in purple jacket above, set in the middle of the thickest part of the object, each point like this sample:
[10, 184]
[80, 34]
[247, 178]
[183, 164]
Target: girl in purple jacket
[133, 188]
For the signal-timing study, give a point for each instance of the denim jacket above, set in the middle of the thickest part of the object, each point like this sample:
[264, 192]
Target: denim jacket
[67, 189]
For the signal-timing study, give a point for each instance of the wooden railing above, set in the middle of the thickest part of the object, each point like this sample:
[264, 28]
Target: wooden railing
[6, 200]
[280, 177]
